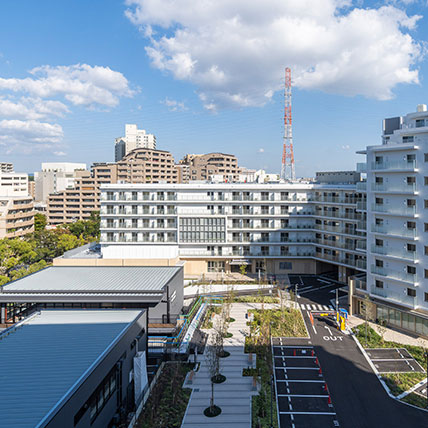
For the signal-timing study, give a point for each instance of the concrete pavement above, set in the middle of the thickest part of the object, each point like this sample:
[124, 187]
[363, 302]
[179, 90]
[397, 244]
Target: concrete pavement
[234, 395]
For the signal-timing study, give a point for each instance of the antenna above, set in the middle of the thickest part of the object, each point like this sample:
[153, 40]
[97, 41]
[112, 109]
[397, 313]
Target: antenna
[287, 167]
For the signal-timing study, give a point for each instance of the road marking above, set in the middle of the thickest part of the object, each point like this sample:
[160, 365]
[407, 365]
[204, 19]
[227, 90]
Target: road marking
[320, 307]
[308, 413]
[302, 306]
[331, 308]
[333, 338]
[297, 368]
[301, 280]
[301, 381]
[328, 328]
[303, 395]
[324, 281]
[295, 346]
[325, 308]
[319, 288]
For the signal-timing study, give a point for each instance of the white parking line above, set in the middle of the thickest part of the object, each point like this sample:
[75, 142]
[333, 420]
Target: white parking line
[301, 381]
[308, 413]
[303, 395]
[298, 368]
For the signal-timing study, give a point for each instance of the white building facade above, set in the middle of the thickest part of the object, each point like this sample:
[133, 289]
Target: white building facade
[276, 228]
[134, 139]
[397, 225]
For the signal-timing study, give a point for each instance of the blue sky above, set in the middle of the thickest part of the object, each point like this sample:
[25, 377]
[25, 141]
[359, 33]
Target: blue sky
[206, 79]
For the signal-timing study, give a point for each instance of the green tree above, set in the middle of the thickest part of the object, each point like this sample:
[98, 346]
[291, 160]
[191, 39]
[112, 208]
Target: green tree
[40, 222]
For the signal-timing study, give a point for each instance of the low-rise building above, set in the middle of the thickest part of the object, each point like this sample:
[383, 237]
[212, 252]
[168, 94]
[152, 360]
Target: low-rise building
[6, 167]
[275, 227]
[16, 206]
[77, 368]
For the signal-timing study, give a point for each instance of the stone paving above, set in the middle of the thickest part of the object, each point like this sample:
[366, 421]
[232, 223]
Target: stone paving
[234, 395]
[390, 335]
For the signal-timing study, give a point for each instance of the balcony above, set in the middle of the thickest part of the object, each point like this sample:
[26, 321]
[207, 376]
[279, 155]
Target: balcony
[394, 188]
[362, 206]
[393, 231]
[393, 252]
[394, 166]
[361, 167]
[397, 275]
[362, 185]
[400, 298]
[404, 211]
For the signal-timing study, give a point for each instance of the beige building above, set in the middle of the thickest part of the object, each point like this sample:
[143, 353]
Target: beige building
[212, 165]
[16, 206]
[139, 166]
[74, 204]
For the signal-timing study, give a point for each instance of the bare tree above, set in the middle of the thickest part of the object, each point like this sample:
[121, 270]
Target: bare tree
[212, 359]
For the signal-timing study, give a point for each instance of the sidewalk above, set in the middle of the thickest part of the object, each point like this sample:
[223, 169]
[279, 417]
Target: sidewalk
[234, 395]
[390, 335]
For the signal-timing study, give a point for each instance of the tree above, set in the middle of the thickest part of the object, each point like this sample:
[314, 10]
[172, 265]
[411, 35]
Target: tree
[40, 222]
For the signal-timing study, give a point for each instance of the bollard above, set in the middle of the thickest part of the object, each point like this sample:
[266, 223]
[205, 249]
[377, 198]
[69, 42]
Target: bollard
[329, 399]
[294, 352]
[325, 387]
[312, 352]
[320, 371]
[316, 361]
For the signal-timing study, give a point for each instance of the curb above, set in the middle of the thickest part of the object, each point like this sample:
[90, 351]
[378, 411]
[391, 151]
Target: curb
[413, 388]
[382, 382]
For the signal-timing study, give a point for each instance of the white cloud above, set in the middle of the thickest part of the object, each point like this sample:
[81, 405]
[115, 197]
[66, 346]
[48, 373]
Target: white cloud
[174, 105]
[29, 135]
[235, 52]
[31, 108]
[261, 150]
[80, 84]
[60, 153]
[346, 147]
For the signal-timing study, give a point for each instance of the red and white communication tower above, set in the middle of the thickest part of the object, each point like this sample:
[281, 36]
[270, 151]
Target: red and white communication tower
[287, 168]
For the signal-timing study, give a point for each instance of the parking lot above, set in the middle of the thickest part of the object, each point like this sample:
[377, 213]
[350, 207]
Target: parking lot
[302, 393]
[393, 360]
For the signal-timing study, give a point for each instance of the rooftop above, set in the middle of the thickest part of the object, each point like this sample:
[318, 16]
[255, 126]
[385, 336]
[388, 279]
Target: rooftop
[91, 283]
[46, 358]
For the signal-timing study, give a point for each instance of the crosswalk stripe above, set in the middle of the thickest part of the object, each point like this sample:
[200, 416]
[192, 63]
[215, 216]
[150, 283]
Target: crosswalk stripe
[325, 308]
[330, 307]
[302, 306]
[314, 307]
[320, 307]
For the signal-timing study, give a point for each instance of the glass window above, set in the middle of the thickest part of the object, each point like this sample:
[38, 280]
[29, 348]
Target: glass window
[382, 313]
[394, 317]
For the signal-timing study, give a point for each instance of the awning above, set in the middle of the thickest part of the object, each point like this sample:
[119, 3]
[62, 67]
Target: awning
[240, 262]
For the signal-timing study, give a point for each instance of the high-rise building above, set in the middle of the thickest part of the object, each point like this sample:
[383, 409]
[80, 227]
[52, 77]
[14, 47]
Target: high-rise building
[55, 177]
[219, 166]
[396, 286]
[16, 206]
[134, 139]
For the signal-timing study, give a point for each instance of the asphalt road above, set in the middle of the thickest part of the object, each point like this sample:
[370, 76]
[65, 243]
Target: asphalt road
[357, 395]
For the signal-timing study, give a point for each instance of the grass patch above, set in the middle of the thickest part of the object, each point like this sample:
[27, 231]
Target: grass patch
[230, 319]
[416, 400]
[256, 299]
[401, 382]
[168, 400]
[211, 311]
[228, 335]
[397, 382]
[285, 323]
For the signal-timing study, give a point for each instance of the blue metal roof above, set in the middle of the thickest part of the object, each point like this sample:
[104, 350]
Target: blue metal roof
[45, 359]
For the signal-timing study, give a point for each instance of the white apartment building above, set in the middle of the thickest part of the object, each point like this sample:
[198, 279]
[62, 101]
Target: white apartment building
[16, 206]
[276, 227]
[397, 225]
[134, 139]
[55, 177]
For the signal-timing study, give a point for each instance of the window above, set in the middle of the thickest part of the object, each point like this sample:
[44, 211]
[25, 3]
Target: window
[426, 227]
[411, 202]
[426, 250]
[419, 123]
[411, 247]
[379, 263]
[425, 157]
[289, 266]
[426, 297]
[411, 225]
[426, 203]
[379, 243]
[408, 139]
[379, 284]
[411, 270]
[426, 273]
[379, 201]
[410, 180]
[411, 292]
[379, 180]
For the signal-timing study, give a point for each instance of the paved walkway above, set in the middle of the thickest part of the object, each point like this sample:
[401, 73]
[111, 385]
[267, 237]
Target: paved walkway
[234, 395]
[390, 335]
